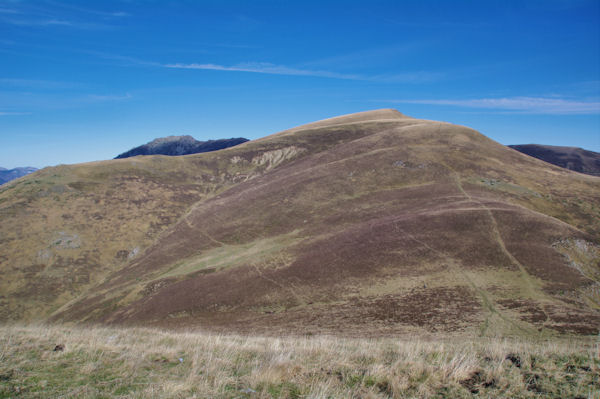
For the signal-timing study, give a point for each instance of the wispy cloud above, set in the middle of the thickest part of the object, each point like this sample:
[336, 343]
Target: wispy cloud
[8, 11]
[109, 97]
[58, 14]
[38, 84]
[273, 69]
[14, 113]
[265, 68]
[55, 22]
[408, 77]
[374, 56]
[124, 59]
[13, 103]
[84, 10]
[58, 22]
[532, 105]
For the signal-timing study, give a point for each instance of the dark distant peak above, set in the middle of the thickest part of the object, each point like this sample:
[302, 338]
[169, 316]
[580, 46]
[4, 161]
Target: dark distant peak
[180, 145]
[171, 139]
[7, 175]
[572, 158]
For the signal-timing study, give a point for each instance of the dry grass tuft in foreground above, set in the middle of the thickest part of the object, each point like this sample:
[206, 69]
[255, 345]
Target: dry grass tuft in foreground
[58, 361]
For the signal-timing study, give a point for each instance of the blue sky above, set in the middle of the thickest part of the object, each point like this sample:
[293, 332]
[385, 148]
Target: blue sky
[84, 80]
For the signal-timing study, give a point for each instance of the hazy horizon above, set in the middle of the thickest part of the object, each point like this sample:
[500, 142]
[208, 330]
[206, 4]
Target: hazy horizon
[81, 83]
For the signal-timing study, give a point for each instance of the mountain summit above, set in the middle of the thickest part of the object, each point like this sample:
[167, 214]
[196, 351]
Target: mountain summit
[368, 224]
[180, 145]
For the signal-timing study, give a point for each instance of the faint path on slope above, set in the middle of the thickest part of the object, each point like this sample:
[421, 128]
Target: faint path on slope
[489, 304]
[498, 237]
[289, 288]
[529, 284]
[496, 232]
[204, 233]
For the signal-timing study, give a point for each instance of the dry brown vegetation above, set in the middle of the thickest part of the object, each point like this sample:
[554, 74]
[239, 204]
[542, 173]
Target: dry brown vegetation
[371, 224]
[101, 362]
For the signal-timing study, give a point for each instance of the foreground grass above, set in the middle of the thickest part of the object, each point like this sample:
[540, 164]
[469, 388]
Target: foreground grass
[145, 363]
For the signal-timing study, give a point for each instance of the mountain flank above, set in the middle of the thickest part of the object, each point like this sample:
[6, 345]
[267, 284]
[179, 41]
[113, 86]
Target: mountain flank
[180, 145]
[7, 175]
[572, 158]
[369, 224]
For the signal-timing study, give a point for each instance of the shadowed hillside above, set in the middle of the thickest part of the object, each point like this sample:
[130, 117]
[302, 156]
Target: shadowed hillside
[180, 145]
[367, 224]
[572, 158]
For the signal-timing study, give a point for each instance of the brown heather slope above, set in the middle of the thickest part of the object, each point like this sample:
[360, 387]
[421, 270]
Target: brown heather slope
[65, 228]
[367, 224]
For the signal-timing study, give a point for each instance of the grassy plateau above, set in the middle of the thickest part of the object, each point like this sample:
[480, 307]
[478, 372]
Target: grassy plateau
[99, 362]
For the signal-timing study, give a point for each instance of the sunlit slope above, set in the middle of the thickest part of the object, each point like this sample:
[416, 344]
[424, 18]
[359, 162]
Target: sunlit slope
[368, 224]
[65, 228]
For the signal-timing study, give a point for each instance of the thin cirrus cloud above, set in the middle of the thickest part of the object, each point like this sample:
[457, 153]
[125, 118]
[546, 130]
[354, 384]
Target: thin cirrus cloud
[532, 105]
[14, 113]
[110, 97]
[11, 103]
[272, 69]
[55, 22]
[266, 68]
[58, 14]
[38, 84]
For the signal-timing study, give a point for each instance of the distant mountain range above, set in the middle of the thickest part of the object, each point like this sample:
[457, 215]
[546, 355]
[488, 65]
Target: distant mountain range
[572, 158]
[181, 145]
[7, 175]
